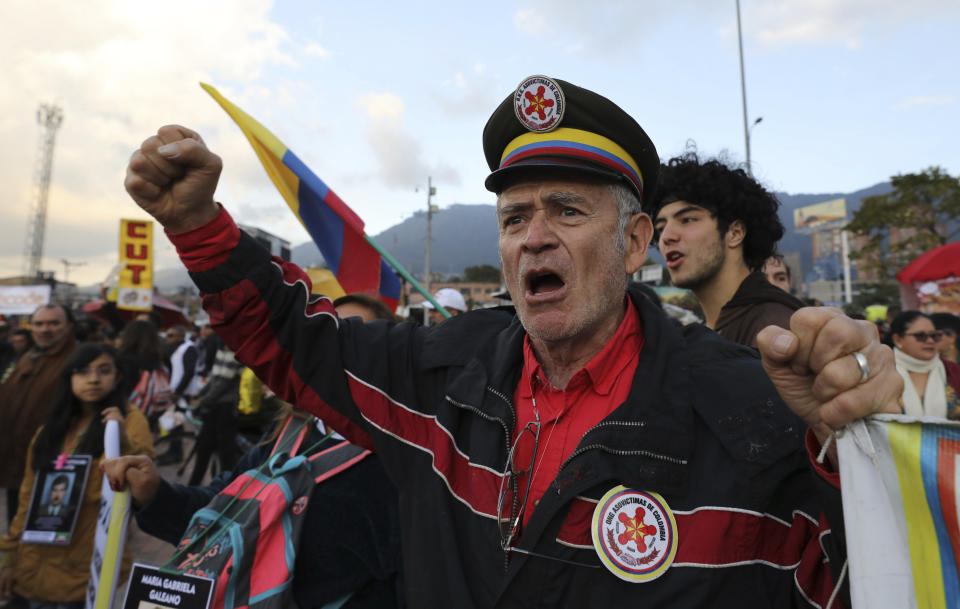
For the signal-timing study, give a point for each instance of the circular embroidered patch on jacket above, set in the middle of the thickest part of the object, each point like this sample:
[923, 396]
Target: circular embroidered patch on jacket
[634, 534]
[300, 504]
[539, 104]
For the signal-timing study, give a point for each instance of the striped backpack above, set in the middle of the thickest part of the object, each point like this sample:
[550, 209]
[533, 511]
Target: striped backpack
[247, 536]
[153, 393]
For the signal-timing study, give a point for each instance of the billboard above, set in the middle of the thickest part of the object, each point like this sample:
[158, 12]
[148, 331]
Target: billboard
[23, 299]
[821, 215]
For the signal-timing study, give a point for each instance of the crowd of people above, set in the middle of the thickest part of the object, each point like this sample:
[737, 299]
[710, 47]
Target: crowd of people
[448, 490]
[57, 395]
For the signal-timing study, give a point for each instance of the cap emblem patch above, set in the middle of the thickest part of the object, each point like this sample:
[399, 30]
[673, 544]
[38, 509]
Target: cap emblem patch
[539, 104]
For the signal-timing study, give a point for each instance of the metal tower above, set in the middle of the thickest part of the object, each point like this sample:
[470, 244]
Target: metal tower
[49, 117]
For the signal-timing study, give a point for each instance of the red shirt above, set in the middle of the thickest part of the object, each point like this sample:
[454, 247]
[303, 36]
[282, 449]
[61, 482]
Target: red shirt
[597, 389]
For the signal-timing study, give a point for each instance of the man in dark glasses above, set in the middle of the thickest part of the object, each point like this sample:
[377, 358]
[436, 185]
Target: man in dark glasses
[584, 451]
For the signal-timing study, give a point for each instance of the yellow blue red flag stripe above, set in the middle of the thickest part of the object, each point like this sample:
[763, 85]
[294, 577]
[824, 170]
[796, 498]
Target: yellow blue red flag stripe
[334, 227]
[926, 458]
[913, 517]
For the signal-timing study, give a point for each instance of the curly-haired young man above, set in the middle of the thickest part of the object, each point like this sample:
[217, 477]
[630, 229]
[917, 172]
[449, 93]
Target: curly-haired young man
[715, 227]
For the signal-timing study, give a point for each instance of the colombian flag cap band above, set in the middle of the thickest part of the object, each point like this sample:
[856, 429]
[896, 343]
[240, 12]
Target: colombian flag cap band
[572, 145]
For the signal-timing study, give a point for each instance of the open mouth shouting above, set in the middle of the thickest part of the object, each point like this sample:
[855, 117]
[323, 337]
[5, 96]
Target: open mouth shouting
[543, 284]
[674, 259]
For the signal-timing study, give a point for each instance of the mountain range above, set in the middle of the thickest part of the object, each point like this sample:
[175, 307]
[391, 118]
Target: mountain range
[466, 235]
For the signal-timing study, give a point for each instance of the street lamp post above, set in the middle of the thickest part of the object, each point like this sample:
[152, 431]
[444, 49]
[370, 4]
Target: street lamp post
[431, 209]
[743, 94]
[755, 122]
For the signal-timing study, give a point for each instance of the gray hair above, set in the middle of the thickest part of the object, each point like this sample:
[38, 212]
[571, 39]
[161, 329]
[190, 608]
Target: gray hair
[627, 206]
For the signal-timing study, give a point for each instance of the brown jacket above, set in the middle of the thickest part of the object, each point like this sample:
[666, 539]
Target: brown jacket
[756, 305]
[60, 573]
[24, 399]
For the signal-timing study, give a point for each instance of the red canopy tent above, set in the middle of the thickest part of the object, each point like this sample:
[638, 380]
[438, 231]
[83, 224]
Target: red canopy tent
[170, 313]
[932, 281]
[938, 263]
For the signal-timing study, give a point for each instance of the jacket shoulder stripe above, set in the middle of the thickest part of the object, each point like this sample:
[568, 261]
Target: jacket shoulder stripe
[474, 485]
[255, 343]
[315, 305]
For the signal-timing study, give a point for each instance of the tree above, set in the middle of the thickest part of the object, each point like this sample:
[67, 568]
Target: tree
[483, 273]
[920, 214]
[877, 292]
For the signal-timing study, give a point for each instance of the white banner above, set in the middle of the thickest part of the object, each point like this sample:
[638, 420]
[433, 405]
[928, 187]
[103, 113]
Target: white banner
[111, 532]
[900, 479]
[23, 299]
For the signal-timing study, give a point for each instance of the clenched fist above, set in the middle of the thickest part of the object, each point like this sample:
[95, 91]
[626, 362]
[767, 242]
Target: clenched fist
[173, 177]
[814, 369]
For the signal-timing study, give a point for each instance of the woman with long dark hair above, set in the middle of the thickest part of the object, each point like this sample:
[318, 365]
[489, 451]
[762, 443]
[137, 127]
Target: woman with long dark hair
[146, 383]
[89, 393]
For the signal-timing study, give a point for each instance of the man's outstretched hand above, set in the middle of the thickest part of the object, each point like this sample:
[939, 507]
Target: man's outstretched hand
[813, 368]
[173, 177]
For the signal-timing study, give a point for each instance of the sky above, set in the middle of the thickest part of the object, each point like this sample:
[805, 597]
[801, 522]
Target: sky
[378, 96]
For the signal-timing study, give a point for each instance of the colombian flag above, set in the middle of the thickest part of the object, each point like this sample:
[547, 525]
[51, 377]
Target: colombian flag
[336, 230]
[900, 478]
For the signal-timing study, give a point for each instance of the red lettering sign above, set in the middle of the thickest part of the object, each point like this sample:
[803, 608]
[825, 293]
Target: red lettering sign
[136, 269]
[137, 230]
[141, 254]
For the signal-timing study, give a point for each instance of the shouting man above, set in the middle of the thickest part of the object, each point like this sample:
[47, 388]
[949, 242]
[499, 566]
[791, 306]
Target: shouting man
[716, 227]
[585, 451]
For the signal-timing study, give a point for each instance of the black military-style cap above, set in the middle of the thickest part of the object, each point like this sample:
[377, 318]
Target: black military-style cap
[550, 123]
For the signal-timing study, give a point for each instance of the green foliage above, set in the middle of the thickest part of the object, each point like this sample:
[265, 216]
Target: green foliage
[920, 205]
[879, 292]
[484, 273]
[853, 311]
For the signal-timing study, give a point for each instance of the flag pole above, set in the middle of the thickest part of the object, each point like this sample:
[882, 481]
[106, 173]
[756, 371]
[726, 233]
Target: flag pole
[406, 275]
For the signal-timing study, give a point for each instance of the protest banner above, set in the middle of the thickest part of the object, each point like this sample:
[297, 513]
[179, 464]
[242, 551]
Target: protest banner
[900, 478]
[111, 532]
[135, 281]
[23, 299]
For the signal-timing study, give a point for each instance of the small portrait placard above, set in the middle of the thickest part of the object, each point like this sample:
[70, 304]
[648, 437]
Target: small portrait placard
[57, 496]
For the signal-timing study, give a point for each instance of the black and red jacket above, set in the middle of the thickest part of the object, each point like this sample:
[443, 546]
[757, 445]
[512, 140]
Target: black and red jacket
[702, 426]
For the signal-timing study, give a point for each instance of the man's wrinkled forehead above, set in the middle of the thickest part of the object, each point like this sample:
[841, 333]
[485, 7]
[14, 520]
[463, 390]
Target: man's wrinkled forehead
[557, 181]
[551, 194]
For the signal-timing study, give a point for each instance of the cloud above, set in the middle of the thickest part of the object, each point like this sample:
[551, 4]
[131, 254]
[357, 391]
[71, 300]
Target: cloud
[314, 49]
[603, 28]
[119, 70]
[846, 22]
[473, 92]
[399, 155]
[530, 21]
[929, 100]
[382, 106]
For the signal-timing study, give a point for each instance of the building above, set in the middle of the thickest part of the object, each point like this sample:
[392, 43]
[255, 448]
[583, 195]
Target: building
[477, 294]
[276, 245]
